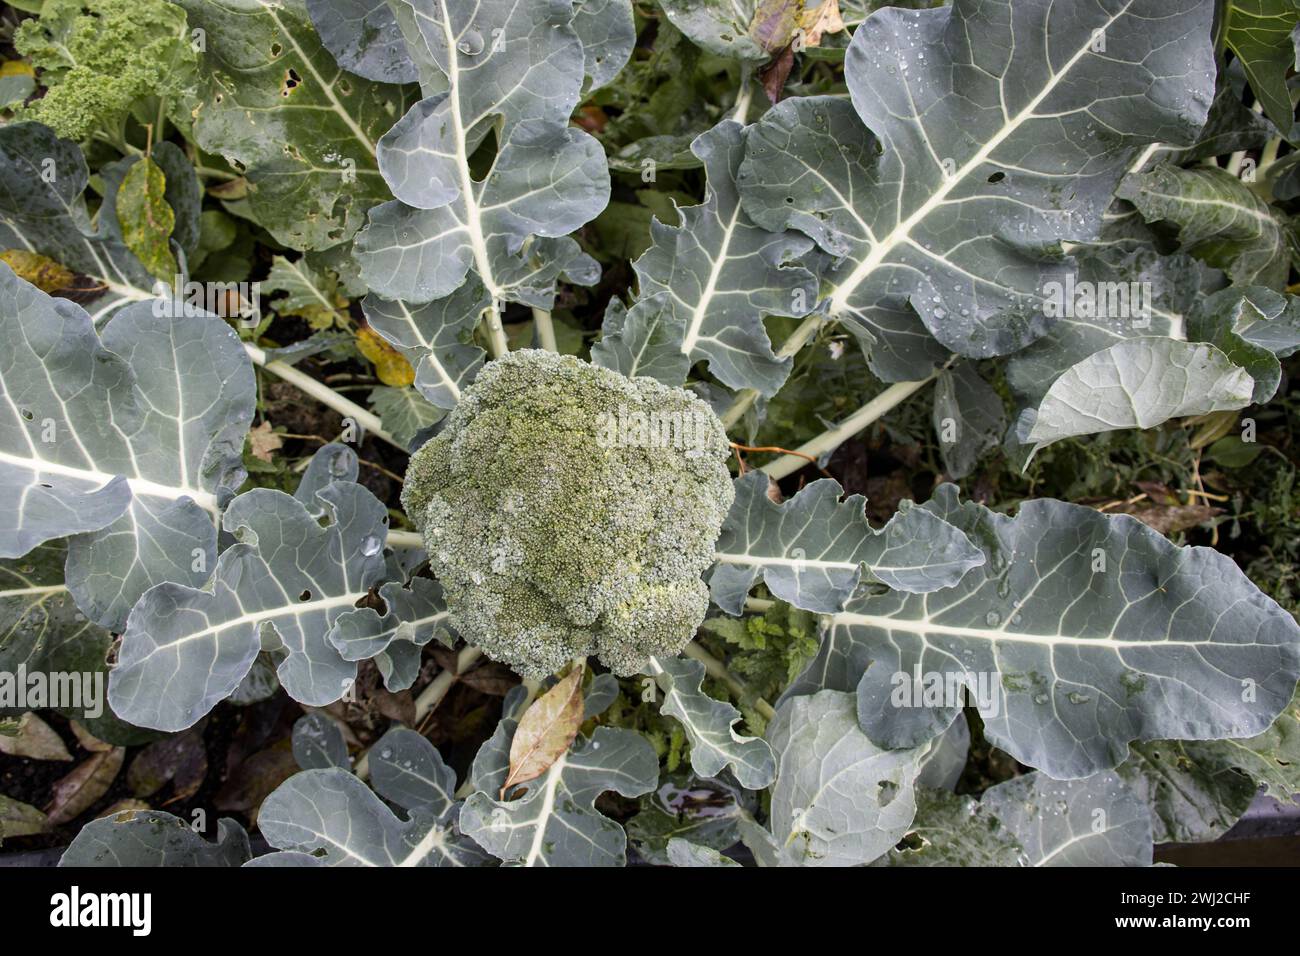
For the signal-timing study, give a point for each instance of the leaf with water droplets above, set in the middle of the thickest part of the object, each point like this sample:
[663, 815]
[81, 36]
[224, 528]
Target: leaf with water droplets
[977, 137]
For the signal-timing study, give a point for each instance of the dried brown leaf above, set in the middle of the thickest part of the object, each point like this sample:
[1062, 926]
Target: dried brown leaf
[546, 730]
[82, 788]
[36, 740]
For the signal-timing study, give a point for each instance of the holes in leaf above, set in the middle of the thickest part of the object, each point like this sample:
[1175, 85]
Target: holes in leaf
[888, 791]
[276, 49]
[27, 414]
[305, 595]
[997, 177]
[291, 82]
[344, 87]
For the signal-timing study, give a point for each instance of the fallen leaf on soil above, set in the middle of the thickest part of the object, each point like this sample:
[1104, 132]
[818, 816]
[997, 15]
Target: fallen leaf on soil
[82, 788]
[36, 740]
[263, 442]
[181, 759]
[88, 740]
[20, 819]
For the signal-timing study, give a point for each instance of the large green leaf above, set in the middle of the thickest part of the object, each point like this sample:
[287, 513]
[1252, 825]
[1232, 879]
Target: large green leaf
[283, 587]
[128, 442]
[814, 549]
[524, 71]
[1259, 33]
[1096, 821]
[722, 274]
[1080, 633]
[997, 130]
[276, 105]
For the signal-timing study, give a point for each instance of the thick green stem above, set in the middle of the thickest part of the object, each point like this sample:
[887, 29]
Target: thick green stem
[831, 439]
[715, 668]
[789, 348]
[545, 329]
[367, 420]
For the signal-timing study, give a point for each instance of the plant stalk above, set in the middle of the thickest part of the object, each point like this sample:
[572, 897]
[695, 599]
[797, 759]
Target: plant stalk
[368, 421]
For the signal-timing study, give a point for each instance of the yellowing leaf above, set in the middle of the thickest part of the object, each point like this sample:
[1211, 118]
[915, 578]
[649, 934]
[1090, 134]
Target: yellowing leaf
[390, 366]
[546, 730]
[310, 295]
[776, 22]
[16, 68]
[41, 271]
[146, 218]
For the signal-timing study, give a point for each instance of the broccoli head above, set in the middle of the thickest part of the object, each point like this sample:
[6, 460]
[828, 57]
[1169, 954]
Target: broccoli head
[100, 58]
[570, 511]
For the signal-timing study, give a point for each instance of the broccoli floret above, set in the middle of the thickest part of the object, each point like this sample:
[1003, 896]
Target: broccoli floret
[100, 58]
[570, 511]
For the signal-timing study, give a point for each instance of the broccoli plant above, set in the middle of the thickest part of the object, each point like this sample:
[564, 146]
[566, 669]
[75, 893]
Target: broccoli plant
[607, 435]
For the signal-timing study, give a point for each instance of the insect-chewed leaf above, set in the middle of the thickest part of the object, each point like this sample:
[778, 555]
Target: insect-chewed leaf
[127, 441]
[313, 167]
[546, 730]
[365, 39]
[954, 830]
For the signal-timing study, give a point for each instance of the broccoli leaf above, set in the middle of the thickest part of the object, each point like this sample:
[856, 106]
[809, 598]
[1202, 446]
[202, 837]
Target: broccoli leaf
[42, 209]
[312, 161]
[1080, 633]
[1220, 220]
[812, 550]
[318, 743]
[333, 816]
[1259, 32]
[286, 583]
[365, 38]
[708, 723]
[1095, 821]
[555, 822]
[953, 206]
[839, 800]
[723, 274]
[104, 440]
[407, 770]
[435, 338]
[1139, 383]
[547, 178]
[135, 838]
[954, 830]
